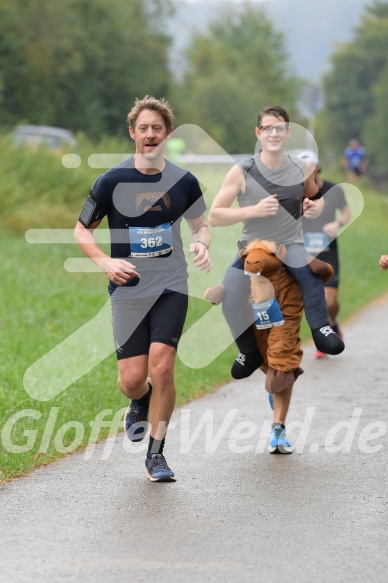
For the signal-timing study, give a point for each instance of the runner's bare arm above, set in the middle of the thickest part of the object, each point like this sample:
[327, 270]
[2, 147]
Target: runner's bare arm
[310, 186]
[345, 216]
[222, 215]
[313, 208]
[201, 239]
[332, 229]
[118, 270]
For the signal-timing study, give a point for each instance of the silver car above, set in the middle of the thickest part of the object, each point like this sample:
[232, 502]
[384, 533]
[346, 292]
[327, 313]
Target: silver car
[53, 138]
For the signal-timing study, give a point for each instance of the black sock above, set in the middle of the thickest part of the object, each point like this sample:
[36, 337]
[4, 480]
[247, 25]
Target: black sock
[246, 342]
[327, 341]
[246, 364]
[144, 401]
[155, 446]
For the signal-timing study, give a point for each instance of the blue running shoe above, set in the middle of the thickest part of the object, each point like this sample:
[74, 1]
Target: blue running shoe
[158, 470]
[135, 419]
[270, 399]
[279, 442]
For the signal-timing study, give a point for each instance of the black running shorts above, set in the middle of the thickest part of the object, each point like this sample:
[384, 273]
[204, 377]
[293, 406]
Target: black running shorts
[139, 322]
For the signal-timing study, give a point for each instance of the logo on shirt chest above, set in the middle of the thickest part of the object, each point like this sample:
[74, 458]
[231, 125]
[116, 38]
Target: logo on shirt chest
[146, 201]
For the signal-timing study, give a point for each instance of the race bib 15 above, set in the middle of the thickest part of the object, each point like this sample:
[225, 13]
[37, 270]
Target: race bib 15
[267, 314]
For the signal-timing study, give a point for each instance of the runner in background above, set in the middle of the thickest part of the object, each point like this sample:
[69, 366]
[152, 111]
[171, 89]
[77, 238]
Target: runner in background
[322, 232]
[175, 147]
[354, 160]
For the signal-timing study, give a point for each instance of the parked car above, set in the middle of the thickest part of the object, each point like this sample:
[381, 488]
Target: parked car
[55, 139]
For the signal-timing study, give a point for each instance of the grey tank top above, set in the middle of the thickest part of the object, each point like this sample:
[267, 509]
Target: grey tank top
[287, 182]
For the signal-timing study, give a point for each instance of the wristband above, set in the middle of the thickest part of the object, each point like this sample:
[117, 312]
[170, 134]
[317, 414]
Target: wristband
[204, 244]
[317, 196]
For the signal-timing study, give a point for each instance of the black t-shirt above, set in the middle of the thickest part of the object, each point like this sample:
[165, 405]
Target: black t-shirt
[334, 198]
[144, 213]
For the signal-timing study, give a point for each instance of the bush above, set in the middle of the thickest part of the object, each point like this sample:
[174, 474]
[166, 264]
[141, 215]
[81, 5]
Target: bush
[38, 191]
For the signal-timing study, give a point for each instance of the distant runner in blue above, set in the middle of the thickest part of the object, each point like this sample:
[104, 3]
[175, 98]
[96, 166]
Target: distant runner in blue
[354, 160]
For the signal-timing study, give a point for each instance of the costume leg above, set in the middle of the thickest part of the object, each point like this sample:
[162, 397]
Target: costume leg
[240, 320]
[311, 286]
[284, 351]
[234, 306]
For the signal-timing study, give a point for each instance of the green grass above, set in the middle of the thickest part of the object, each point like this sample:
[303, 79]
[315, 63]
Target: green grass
[42, 304]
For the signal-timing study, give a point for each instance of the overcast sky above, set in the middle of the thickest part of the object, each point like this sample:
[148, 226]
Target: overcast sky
[233, 1]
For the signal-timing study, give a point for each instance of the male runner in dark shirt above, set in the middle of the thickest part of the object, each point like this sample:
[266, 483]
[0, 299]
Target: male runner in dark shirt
[144, 200]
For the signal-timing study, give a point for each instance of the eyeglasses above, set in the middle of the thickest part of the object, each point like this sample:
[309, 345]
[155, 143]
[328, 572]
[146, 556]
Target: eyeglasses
[280, 129]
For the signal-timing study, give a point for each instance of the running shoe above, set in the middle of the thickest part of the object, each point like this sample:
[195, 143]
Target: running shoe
[135, 419]
[270, 400]
[158, 470]
[279, 442]
[318, 355]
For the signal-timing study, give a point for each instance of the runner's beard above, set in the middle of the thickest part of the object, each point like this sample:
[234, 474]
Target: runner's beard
[154, 154]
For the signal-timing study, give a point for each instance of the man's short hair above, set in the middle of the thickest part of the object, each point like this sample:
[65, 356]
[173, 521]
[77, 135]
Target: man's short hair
[274, 110]
[160, 105]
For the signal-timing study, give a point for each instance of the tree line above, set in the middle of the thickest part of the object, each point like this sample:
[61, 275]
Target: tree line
[80, 64]
[356, 92]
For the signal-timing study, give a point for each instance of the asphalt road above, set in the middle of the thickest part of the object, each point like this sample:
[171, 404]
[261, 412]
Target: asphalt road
[236, 513]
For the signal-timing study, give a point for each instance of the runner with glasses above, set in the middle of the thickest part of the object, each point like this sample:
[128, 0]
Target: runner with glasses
[279, 129]
[273, 190]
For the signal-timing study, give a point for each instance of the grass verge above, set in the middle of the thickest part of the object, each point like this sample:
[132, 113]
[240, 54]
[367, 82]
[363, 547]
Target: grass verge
[42, 304]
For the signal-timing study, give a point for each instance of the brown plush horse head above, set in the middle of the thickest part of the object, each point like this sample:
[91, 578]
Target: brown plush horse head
[262, 257]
